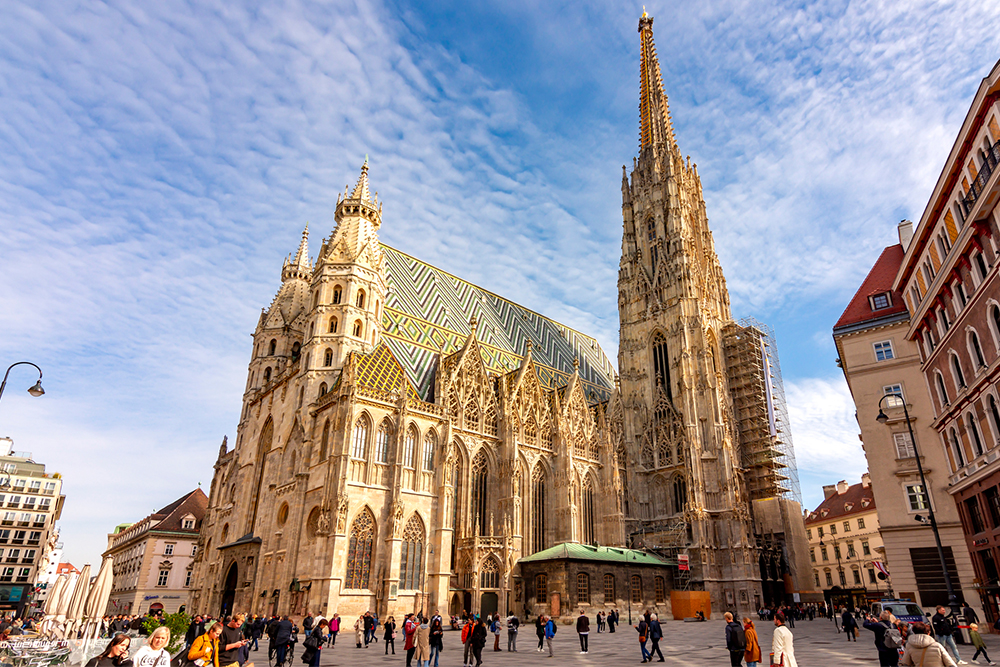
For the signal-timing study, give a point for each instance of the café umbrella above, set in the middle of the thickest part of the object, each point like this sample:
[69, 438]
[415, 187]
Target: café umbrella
[97, 599]
[74, 612]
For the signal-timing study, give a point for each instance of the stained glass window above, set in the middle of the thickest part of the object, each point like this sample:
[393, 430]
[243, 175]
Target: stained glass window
[411, 556]
[359, 551]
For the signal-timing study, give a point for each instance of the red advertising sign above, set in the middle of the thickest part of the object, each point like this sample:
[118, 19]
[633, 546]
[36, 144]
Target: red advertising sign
[682, 562]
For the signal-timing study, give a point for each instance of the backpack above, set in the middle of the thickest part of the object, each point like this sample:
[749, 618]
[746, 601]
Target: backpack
[741, 637]
[892, 638]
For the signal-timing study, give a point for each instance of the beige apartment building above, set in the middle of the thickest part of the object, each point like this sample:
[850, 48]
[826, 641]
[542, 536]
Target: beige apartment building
[30, 504]
[878, 359]
[153, 558]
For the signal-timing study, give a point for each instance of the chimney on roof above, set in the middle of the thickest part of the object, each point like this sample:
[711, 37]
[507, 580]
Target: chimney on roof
[829, 490]
[866, 480]
[905, 229]
[842, 486]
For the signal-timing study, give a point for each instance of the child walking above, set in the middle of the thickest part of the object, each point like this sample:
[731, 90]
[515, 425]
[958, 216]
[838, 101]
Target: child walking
[977, 641]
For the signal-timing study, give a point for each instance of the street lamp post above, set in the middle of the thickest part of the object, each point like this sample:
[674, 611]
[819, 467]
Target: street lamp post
[882, 418]
[35, 390]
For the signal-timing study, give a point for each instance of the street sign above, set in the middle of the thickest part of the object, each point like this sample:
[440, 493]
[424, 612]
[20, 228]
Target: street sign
[682, 563]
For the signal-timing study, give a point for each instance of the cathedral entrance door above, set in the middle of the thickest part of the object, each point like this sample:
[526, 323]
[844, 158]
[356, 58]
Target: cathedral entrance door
[488, 604]
[229, 591]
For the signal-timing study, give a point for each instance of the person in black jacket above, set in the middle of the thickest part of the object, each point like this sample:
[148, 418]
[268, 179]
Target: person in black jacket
[643, 629]
[540, 631]
[848, 623]
[655, 635]
[736, 640]
[478, 641]
[583, 629]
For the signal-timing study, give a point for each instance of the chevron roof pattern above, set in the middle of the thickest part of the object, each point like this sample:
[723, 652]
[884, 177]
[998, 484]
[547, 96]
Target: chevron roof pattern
[429, 311]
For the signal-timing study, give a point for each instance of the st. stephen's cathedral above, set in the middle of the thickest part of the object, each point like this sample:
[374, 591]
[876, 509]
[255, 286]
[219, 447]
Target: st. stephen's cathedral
[407, 437]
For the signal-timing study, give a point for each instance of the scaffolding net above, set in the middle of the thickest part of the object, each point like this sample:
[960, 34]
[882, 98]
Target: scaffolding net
[758, 394]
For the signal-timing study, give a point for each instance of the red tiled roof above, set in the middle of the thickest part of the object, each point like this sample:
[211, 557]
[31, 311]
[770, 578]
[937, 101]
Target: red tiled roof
[879, 280]
[836, 505]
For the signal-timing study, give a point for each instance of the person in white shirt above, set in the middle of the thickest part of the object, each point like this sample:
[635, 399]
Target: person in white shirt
[781, 643]
[154, 654]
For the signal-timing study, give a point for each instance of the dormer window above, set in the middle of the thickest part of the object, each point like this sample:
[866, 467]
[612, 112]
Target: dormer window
[825, 512]
[848, 507]
[865, 502]
[880, 301]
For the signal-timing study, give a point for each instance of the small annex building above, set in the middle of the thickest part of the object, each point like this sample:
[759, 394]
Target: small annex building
[568, 577]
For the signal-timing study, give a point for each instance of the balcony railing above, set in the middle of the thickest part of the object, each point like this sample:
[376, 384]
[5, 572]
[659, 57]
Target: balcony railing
[992, 157]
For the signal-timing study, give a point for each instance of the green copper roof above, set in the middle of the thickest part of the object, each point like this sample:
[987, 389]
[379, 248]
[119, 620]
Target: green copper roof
[574, 551]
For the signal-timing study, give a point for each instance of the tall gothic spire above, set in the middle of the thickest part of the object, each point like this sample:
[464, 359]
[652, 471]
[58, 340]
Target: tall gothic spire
[298, 266]
[656, 126]
[358, 216]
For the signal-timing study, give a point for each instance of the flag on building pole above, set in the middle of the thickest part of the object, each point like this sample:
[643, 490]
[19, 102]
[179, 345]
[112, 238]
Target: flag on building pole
[881, 567]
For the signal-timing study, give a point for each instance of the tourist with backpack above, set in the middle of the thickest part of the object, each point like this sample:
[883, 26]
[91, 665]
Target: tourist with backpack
[888, 638]
[550, 633]
[922, 650]
[736, 640]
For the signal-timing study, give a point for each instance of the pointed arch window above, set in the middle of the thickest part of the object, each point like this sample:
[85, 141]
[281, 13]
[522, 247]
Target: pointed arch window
[661, 364]
[328, 357]
[360, 448]
[325, 441]
[322, 389]
[430, 441]
[359, 551]
[680, 495]
[336, 294]
[361, 298]
[489, 576]
[410, 448]
[973, 428]
[538, 509]
[479, 496]
[267, 375]
[382, 443]
[358, 329]
[333, 325]
[272, 347]
[589, 534]
[296, 351]
[412, 554]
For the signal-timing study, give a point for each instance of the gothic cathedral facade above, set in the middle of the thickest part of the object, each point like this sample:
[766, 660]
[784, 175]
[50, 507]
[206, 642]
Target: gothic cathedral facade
[406, 436]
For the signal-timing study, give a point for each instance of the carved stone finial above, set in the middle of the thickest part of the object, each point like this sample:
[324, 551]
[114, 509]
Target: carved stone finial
[576, 364]
[530, 345]
[473, 323]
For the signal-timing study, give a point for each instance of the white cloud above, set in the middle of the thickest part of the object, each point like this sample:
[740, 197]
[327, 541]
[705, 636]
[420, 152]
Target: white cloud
[825, 432]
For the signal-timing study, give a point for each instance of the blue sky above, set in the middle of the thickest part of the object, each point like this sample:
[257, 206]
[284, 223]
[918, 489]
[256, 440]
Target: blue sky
[160, 159]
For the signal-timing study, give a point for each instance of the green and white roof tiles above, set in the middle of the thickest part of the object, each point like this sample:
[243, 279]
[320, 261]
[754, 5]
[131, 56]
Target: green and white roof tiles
[428, 311]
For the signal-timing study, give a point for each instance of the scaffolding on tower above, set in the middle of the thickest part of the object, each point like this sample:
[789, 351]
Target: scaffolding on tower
[761, 413]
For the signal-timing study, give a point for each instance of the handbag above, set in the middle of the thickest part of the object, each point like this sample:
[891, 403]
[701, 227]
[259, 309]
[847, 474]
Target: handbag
[778, 664]
[312, 641]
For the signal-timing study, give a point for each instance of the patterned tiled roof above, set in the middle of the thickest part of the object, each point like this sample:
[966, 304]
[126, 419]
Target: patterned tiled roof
[381, 370]
[429, 311]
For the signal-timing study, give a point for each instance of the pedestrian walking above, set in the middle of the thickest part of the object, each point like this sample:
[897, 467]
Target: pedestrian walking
[513, 623]
[436, 638]
[945, 626]
[849, 624]
[642, 628]
[314, 643]
[390, 635]
[497, 629]
[359, 630]
[550, 633]
[977, 641]
[540, 632]
[583, 629]
[782, 643]
[655, 635]
[467, 641]
[409, 637]
[230, 642]
[423, 644]
[736, 640]
[478, 641]
[922, 650]
[752, 653]
[888, 638]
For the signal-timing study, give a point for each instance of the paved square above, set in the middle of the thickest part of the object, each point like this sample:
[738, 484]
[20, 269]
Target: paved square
[817, 644]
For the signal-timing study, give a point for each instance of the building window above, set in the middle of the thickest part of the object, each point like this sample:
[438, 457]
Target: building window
[272, 348]
[861, 523]
[843, 578]
[162, 579]
[809, 533]
[871, 576]
[357, 329]
[847, 526]
[816, 575]
[336, 294]
[957, 448]
[359, 551]
[360, 449]
[917, 498]
[993, 505]
[980, 262]
[361, 299]
[819, 531]
[187, 579]
[883, 350]
[880, 301]
[328, 357]
[333, 325]
[857, 577]
[410, 448]
[893, 390]
[609, 588]
[429, 442]
[659, 589]
[194, 549]
[812, 555]
[973, 428]
[661, 364]
[267, 374]
[904, 446]
[829, 579]
[188, 524]
[956, 367]
[850, 550]
[836, 551]
[833, 529]
[382, 444]
[960, 291]
[541, 589]
[582, 588]
[323, 389]
[538, 509]
[168, 550]
[636, 588]
[975, 515]
[411, 557]
[823, 553]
